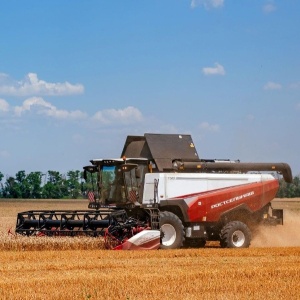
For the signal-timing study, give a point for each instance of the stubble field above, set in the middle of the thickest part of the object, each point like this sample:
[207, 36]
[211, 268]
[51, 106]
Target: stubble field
[80, 268]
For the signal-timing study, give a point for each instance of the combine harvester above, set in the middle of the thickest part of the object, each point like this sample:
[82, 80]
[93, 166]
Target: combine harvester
[161, 194]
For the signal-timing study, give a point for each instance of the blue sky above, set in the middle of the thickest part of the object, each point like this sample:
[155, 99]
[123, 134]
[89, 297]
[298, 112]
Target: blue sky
[77, 77]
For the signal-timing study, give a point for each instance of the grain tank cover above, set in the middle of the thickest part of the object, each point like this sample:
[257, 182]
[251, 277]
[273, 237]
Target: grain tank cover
[161, 148]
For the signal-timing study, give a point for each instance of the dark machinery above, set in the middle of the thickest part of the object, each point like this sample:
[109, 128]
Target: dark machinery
[160, 183]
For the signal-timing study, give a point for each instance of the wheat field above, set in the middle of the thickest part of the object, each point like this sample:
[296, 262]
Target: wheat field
[80, 268]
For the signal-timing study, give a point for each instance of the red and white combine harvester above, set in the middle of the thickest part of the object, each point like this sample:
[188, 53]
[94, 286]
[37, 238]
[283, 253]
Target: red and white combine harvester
[160, 194]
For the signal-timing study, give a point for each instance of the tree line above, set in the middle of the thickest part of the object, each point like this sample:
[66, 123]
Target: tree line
[54, 185]
[289, 190]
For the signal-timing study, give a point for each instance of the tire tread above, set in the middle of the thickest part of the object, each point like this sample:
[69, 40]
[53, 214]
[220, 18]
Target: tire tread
[228, 229]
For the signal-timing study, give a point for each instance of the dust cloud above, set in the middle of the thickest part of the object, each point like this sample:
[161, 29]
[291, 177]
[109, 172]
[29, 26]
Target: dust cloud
[286, 235]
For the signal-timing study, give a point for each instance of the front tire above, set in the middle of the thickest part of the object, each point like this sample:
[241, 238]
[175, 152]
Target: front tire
[235, 234]
[172, 231]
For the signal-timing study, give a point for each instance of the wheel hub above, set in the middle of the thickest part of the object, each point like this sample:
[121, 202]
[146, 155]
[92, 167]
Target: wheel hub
[238, 238]
[168, 234]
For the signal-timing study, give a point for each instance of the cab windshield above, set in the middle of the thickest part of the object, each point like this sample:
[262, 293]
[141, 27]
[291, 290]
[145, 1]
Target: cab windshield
[122, 184]
[112, 185]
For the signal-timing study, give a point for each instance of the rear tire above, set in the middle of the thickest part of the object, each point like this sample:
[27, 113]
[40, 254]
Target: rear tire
[235, 234]
[172, 231]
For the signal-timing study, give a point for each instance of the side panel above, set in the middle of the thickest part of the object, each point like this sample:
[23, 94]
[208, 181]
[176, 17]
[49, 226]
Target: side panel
[209, 206]
[185, 184]
[207, 196]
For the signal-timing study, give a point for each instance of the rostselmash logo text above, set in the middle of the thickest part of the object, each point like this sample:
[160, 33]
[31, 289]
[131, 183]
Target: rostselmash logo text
[234, 199]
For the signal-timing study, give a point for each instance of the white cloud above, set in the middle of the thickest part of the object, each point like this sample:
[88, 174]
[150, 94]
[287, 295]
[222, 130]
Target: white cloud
[125, 116]
[207, 3]
[4, 77]
[209, 127]
[272, 86]
[32, 85]
[269, 7]
[217, 70]
[40, 106]
[4, 106]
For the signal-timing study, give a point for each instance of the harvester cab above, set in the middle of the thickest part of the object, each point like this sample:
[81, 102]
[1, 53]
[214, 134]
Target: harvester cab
[119, 182]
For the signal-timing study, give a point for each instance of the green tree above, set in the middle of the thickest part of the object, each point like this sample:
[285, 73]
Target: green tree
[289, 190]
[56, 187]
[73, 182]
[23, 184]
[1, 185]
[11, 188]
[34, 180]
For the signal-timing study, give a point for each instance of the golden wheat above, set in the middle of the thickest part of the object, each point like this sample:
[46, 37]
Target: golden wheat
[33, 268]
[10, 241]
[175, 274]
